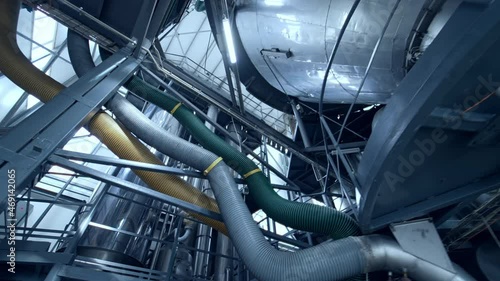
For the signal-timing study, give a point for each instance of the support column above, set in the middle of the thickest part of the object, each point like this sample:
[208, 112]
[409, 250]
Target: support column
[204, 234]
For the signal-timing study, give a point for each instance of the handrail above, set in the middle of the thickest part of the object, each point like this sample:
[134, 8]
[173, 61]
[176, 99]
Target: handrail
[187, 64]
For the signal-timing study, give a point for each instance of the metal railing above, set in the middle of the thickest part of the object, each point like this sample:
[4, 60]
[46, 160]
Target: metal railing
[474, 223]
[272, 117]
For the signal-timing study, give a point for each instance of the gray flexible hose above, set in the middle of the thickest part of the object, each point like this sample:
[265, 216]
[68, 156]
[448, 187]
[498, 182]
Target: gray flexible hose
[335, 260]
[152, 134]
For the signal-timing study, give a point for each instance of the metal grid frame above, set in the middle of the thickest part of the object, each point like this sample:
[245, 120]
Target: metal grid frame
[278, 120]
[68, 263]
[85, 268]
[474, 223]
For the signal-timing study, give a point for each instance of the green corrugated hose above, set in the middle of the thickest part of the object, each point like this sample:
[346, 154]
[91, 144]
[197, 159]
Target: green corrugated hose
[308, 217]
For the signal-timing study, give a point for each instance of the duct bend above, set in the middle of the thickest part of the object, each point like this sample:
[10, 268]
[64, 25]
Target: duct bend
[19, 70]
[383, 253]
[336, 260]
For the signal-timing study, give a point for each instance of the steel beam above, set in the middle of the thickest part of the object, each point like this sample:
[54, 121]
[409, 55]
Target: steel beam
[96, 20]
[54, 53]
[16, 118]
[56, 198]
[92, 173]
[451, 64]
[185, 54]
[175, 35]
[240, 91]
[14, 109]
[229, 79]
[23, 115]
[123, 163]
[211, 46]
[452, 197]
[345, 148]
[86, 217]
[82, 273]
[343, 159]
[55, 56]
[285, 239]
[142, 26]
[126, 163]
[27, 146]
[160, 12]
[300, 124]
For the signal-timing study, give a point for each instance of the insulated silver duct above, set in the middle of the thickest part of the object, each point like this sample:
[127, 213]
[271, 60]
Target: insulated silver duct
[289, 42]
[334, 260]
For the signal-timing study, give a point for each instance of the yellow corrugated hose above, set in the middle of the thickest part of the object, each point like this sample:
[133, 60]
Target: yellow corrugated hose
[15, 66]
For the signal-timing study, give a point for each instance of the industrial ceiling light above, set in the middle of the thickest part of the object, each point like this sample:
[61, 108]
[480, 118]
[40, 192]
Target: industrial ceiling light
[229, 40]
[276, 3]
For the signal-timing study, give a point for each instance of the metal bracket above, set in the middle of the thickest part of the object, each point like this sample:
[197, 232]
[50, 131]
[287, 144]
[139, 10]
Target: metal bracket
[276, 53]
[420, 238]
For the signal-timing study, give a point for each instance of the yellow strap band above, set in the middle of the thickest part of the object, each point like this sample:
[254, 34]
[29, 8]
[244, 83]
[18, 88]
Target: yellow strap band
[175, 108]
[251, 173]
[212, 166]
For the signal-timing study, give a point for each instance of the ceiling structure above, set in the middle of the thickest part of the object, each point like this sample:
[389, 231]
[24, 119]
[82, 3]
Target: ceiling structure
[190, 45]
[43, 41]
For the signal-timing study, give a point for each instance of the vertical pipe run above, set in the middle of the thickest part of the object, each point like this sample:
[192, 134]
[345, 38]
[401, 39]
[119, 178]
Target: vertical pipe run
[203, 240]
[223, 268]
[300, 124]
[204, 234]
[307, 143]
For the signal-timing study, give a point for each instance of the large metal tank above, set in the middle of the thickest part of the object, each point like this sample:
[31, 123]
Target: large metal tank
[309, 30]
[125, 211]
[128, 212]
